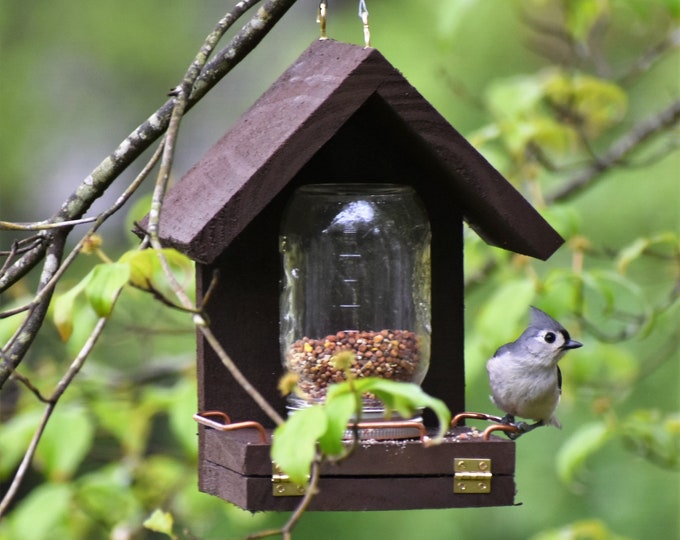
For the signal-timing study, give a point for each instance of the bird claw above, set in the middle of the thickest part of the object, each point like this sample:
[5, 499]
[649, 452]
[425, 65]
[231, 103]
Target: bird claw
[522, 428]
[507, 424]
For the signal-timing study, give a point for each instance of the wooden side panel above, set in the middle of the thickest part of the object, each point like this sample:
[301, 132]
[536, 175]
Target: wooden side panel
[377, 476]
[359, 494]
[244, 314]
[242, 452]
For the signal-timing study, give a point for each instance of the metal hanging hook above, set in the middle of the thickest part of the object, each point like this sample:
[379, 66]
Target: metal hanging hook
[363, 15]
[321, 16]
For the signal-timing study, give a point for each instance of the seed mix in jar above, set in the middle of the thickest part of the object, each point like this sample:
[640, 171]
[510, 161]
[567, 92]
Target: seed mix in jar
[390, 354]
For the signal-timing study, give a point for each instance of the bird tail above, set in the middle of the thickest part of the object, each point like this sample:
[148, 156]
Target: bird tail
[555, 422]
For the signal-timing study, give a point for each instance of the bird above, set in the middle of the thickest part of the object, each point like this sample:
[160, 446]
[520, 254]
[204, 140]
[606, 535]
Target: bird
[524, 377]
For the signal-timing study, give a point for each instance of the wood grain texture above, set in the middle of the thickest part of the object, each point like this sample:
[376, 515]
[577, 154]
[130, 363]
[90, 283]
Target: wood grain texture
[377, 476]
[299, 114]
[341, 113]
[244, 453]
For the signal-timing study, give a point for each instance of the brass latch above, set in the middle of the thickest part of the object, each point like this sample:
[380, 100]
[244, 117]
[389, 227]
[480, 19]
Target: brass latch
[282, 485]
[472, 475]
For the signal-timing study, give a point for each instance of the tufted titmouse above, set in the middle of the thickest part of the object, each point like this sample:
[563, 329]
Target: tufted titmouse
[524, 376]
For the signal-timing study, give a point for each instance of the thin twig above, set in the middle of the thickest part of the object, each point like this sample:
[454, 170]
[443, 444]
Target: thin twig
[286, 531]
[651, 56]
[616, 153]
[43, 225]
[28, 384]
[15, 347]
[63, 384]
[103, 175]
[235, 371]
[181, 101]
[98, 181]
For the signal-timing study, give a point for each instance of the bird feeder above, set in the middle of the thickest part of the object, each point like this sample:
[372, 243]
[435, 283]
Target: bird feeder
[340, 114]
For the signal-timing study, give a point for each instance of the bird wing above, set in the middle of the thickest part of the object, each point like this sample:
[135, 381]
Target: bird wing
[559, 379]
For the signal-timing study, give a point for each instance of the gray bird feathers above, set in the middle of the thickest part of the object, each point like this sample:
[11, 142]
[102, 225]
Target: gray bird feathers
[524, 377]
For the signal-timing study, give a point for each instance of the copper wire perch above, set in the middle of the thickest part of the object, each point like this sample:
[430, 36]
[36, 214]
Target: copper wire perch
[499, 425]
[226, 424]
[395, 424]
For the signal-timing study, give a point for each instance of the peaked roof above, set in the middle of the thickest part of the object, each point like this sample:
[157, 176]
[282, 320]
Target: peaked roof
[296, 116]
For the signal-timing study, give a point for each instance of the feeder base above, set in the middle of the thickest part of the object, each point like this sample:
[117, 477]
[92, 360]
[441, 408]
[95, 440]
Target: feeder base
[379, 475]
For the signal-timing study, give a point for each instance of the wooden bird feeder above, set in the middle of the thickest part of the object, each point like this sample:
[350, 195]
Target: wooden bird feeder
[340, 113]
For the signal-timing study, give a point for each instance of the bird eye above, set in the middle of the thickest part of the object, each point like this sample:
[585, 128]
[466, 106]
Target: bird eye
[549, 337]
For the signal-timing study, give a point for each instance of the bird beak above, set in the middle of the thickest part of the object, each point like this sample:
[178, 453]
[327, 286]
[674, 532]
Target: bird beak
[572, 344]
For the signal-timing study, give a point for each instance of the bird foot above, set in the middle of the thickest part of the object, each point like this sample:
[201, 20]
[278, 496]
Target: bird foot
[507, 424]
[522, 428]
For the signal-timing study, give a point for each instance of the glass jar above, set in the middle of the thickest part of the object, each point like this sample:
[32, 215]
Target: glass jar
[356, 277]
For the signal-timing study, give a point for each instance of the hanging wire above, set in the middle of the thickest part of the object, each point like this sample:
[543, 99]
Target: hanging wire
[321, 15]
[363, 15]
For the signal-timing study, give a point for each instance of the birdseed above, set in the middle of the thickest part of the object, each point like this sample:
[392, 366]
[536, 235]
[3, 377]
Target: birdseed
[390, 354]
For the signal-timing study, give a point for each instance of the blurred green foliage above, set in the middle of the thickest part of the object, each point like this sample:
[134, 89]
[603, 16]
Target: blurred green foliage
[542, 87]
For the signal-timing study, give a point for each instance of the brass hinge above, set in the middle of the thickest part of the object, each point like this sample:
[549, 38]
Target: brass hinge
[472, 475]
[282, 485]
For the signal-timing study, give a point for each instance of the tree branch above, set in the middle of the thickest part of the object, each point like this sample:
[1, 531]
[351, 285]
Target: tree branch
[63, 384]
[617, 152]
[96, 183]
[50, 242]
[16, 347]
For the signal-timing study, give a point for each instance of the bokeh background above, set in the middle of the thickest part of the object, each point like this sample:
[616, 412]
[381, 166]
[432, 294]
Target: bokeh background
[529, 82]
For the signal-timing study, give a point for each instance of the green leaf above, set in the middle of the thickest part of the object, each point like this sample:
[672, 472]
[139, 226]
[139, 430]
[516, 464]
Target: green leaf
[66, 441]
[515, 98]
[105, 285]
[602, 366]
[653, 436]
[180, 418]
[573, 454]
[39, 513]
[499, 321]
[64, 307]
[630, 253]
[340, 406]
[406, 399]
[587, 529]
[160, 475]
[160, 522]
[15, 435]
[108, 495]
[564, 218]
[583, 15]
[673, 7]
[9, 325]
[637, 248]
[598, 103]
[294, 442]
[505, 313]
[146, 269]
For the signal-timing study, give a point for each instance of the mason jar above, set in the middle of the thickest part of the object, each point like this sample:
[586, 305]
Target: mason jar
[356, 277]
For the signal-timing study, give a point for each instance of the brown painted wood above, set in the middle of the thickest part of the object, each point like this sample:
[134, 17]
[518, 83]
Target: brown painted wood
[244, 453]
[392, 475]
[359, 494]
[244, 307]
[341, 113]
[300, 113]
